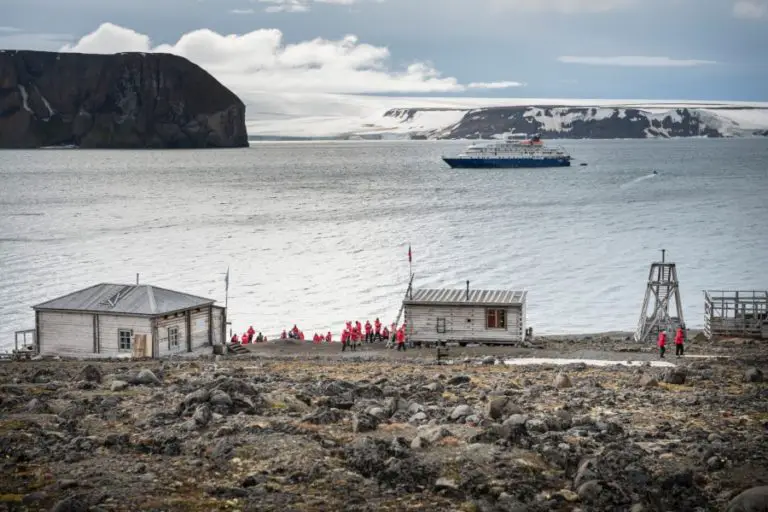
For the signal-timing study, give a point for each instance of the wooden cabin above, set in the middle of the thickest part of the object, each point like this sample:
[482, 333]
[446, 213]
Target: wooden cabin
[742, 314]
[465, 316]
[115, 320]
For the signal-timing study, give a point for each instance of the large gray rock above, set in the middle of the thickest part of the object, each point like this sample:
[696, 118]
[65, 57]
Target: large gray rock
[145, 377]
[364, 423]
[753, 375]
[751, 500]
[675, 376]
[461, 411]
[500, 407]
[562, 381]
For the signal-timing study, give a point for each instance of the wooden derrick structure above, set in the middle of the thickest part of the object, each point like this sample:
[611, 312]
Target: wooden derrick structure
[741, 314]
[662, 291]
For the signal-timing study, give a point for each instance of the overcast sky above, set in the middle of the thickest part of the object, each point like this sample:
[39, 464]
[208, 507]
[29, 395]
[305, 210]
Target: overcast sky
[620, 49]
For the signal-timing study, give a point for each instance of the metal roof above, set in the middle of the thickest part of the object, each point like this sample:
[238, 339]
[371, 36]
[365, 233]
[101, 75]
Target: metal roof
[445, 297]
[144, 300]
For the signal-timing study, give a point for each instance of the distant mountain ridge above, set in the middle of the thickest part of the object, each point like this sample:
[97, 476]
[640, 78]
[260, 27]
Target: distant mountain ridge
[581, 122]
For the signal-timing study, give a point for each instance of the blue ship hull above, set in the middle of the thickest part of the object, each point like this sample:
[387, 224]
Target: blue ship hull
[505, 163]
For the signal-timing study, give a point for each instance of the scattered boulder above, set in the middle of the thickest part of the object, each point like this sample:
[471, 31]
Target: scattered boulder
[220, 401]
[323, 416]
[461, 411]
[90, 374]
[202, 415]
[751, 500]
[562, 381]
[675, 376]
[647, 381]
[118, 385]
[458, 379]
[488, 360]
[36, 406]
[364, 423]
[500, 407]
[753, 375]
[145, 377]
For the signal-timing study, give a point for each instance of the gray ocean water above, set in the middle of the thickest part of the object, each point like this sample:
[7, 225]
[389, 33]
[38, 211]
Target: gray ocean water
[318, 233]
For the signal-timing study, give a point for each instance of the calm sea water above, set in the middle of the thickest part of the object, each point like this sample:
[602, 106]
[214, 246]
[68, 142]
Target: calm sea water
[318, 233]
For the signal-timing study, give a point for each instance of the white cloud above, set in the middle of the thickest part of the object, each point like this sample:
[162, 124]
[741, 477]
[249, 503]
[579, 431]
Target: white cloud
[564, 6]
[750, 9]
[261, 61]
[300, 5]
[634, 61]
[242, 11]
[8, 30]
[493, 85]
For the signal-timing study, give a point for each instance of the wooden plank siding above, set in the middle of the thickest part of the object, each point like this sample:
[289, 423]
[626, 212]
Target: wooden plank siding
[177, 320]
[65, 334]
[219, 326]
[462, 324]
[107, 335]
[200, 328]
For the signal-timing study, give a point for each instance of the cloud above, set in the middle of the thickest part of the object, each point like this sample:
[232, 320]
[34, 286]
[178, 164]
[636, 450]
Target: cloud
[300, 5]
[750, 9]
[242, 11]
[563, 6]
[634, 61]
[9, 30]
[261, 61]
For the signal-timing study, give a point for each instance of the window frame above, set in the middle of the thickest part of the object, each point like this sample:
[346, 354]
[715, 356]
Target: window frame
[120, 347]
[173, 332]
[441, 320]
[499, 317]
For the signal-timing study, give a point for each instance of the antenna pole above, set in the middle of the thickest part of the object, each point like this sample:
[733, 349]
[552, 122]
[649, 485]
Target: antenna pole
[663, 255]
[137, 279]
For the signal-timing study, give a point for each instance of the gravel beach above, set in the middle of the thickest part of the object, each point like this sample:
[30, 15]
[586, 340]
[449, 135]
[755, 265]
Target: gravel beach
[292, 426]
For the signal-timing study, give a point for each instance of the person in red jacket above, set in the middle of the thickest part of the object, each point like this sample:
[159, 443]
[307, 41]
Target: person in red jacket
[679, 340]
[662, 343]
[344, 339]
[251, 332]
[400, 340]
[377, 330]
[368, 332]
[356, 335]
[234, 339]
[328, 337]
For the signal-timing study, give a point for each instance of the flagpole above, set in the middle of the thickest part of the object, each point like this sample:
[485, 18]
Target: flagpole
[226, 302]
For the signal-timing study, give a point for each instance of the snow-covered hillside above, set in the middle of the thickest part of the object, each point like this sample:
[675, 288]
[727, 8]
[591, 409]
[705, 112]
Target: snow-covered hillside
[327, 115]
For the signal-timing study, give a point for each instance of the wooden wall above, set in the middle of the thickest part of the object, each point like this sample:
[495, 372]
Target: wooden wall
[86, 334]
[462, 324]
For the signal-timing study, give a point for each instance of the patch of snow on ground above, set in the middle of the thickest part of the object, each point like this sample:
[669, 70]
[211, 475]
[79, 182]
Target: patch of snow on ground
[24, 98]
[748, 119]
[525, 361]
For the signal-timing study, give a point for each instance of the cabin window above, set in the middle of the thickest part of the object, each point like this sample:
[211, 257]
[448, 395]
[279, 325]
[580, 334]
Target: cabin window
[124, 339]
[496, 319]
[173, 337]
[441, 325]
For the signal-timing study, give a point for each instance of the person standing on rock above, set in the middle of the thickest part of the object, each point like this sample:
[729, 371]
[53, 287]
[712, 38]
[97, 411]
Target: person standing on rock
[679, 341]
[662, 343]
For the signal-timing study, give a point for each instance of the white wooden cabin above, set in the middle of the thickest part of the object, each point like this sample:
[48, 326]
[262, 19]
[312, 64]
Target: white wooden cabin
[106, 320]
[465, 316]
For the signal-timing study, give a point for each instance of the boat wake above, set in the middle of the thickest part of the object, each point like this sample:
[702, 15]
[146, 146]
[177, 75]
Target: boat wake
[641, 178]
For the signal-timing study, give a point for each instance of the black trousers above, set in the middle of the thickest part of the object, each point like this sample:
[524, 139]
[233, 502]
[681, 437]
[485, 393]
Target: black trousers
[401, 346]
[679, 349]
[661, 351]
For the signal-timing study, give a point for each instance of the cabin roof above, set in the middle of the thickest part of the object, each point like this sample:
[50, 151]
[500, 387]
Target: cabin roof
[140, 300]
[458, 297]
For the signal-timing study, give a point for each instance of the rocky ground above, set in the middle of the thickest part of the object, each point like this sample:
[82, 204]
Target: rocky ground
[288, 429]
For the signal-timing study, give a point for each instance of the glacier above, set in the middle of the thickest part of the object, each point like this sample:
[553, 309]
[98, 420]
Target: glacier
[376, 117]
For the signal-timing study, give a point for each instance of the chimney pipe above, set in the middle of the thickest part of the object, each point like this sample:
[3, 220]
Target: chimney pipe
[663, 254]
[467, 289]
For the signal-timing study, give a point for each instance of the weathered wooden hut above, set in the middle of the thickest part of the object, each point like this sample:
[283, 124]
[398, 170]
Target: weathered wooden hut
[465, 316]
[736, 314]
[115, 320]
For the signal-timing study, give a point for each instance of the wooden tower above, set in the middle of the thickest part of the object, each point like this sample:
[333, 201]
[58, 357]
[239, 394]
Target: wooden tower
[663, 288]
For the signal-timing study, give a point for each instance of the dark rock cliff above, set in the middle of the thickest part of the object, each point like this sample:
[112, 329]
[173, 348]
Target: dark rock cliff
[125, 100]
[557, 121]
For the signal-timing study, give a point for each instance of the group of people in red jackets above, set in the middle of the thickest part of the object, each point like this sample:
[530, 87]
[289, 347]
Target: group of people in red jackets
[679, 342]
[248, 337]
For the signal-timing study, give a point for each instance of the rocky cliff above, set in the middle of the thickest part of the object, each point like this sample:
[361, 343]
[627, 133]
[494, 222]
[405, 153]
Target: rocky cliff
[126, 100]
[554, 121]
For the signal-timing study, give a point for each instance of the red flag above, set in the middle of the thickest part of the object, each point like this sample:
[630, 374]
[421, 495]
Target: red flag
[410, 258]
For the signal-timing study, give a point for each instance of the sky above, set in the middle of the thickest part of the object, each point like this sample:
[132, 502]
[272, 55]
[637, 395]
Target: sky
[300, 49]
